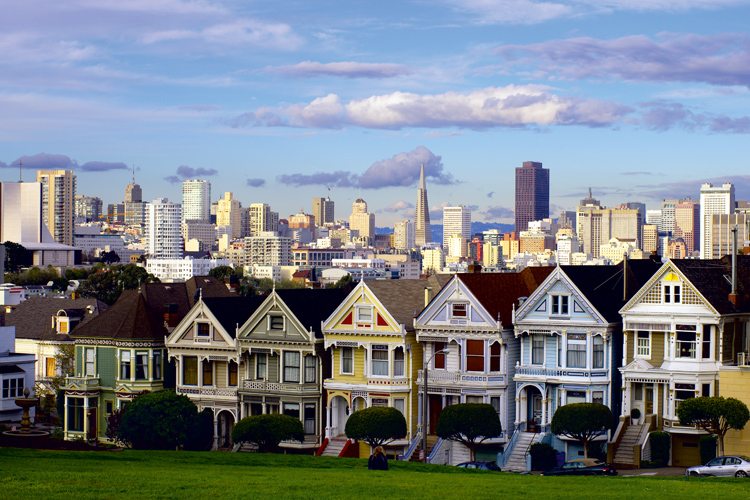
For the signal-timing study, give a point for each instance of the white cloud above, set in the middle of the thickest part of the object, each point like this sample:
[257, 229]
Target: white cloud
[238, 32]
[347, 69]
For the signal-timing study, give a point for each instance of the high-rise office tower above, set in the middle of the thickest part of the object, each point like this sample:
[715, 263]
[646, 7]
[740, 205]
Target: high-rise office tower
[228, 214]
[667, 215]
[599, 225]
[456, 221]
[721, 233]
[133, 192]
[650, 238]
[585, 205]
[58, 195]
[403, 235]
[323, 211]
[715, 200]
[163, 229]
[532, 194]
[567, 219]
[196, 200]
[87, 208]
[653, 217]
[422, 230]
[362, 220]
[687, 216]
[258, 218]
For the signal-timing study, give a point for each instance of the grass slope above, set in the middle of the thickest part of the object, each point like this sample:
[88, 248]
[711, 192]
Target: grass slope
[28, 474]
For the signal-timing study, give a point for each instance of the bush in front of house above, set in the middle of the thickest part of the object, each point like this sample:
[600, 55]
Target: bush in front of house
[159, 421]
[707, 448]
[543, 456]
[267, 431]
[659, 448]
[376, 426]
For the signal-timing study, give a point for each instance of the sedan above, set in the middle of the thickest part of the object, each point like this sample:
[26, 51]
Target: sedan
[583, 467]
[480, 465]
[735, 465]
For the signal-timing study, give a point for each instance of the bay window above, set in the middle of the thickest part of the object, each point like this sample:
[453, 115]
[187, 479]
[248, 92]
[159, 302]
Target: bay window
[576, 350]
[475, 355]
[347, 360]
[495, 357]
[261, 363]
[310, 369]
[232, 370]
[190, 370]
[380, 360]
[157, 365]
[537, 349]
[291, 366]
[208, 372]
[643, 345]
[598, 361]
[686, 341]
[125, 365]
[141, 365]
[90, 362]
[439, 358]
[398, 362]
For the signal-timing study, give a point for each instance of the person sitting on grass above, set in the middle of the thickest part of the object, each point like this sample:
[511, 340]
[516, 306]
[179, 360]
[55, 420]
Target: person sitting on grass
[378, 460]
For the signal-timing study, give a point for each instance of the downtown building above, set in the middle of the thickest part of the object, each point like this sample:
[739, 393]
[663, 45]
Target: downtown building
[162, 231]
[715, 200]
[323, 211]
[58, 201]
[422, 229]
[456, 221]
[196, 200]
[532, 194]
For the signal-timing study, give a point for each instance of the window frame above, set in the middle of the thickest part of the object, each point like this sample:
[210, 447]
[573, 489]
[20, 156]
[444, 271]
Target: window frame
[233, 373]
[456, 308]
[90, 364]
[290, 367]
[573, 357]
[643, 350]
[496, 354]
[439, 361]
[344, 359]
[143, 366]
[472, 358]
[203, 329]
[157, 364]
[537, 352]
[382, 362]
[207, 368]
[273, 323]
[358, 315]
[560, 305]
[598, 359]
[13, 387]
[126, 364]
[264, 357]
[399, 362]
[311, 369]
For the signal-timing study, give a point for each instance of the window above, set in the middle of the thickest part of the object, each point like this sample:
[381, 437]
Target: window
[157, 365]
[475, 399]
[380, 360]
[232, 370]
[12, 387]
[576, 350]
[276, 323]
[400, 405]
[495, 357]
[439, 358]
[495, 402]
[291, 368]
[706, 350]
[51, 368]
[291, 409]
[309, 418]
[459, 310]
[598, 361]
[90, 362]
[208, 372]
[475, 355]
[575, 397]
[377, 402]
[125, 365]
[310, 368]
[75, 414]
[109, 407]
[398, 362]
[560, 304]
[672, 294]
[597, 397]
[364, 314]
[643, 345]
[537, 349]
[686, 341]
[347, 360]
[706, 390]
[141, 365]
[638, 392]
[204, 329]
[681, 393]
[262, 362]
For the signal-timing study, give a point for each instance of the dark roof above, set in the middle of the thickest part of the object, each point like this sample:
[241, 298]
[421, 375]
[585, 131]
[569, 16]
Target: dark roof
[405, 299]
[603, 285]
[234, 310]
[712, 278]
[33, 317]
[498, 292]
[139, 314]
[312, 307]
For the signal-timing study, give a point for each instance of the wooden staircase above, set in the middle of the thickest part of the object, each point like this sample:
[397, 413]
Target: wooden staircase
[624, 454]
[431, 440]
[334, 447]
[517, 460]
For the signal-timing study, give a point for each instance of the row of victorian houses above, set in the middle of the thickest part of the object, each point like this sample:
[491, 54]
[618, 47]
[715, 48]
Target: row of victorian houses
[642, 334]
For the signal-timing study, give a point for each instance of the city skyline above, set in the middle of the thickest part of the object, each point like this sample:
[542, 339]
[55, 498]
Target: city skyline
[278, 104]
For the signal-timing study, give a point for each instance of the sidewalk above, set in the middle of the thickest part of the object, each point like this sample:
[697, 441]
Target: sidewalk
[662, 472]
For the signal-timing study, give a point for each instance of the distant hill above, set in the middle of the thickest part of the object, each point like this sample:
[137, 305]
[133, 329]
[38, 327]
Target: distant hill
[476, 227]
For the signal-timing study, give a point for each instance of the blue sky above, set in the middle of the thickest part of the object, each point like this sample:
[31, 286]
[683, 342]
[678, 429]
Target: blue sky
[281, 101]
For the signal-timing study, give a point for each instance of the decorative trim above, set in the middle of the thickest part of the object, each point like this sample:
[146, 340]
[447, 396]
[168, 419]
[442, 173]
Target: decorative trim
[119, 343]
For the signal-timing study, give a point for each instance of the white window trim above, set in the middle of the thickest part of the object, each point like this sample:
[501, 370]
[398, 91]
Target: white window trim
[257, 374]
[650, 346]
[557, 296]
[197, 329]
[452, 304]
[283, 323]
[341, 361]
[364, 323]
[388, 373]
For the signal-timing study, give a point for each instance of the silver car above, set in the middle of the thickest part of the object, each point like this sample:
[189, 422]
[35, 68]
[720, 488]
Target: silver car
[733, 465]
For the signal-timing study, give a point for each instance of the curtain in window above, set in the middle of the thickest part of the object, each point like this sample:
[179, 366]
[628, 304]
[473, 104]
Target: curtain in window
[125, 365]
[347, 360]
[380, 362]
[598, 352]
[398, 362]
[310, 368]
[190, 370]
[576, 355]
[291, 367]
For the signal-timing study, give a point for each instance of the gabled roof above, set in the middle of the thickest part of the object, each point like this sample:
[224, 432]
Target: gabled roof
[312, 307]
[33, 317]
[712, 279]
[404, 299]
[498, 292]
[209, 286]
[233, 311]
[603, 285]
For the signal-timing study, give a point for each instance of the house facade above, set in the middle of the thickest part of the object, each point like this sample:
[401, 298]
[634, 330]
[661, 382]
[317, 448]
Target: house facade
[471, 318]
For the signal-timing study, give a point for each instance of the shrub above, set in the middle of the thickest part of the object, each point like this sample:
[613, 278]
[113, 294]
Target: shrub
[376, 426]
[707, 448]
[543, 456]
[469, 423]
[659, 447]
[583, 422]
[267, 431]
[635, 413]
[203, 433]
[159, 421]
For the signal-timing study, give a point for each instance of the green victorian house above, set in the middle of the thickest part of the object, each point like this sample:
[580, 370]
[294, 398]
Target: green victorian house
[121, 353]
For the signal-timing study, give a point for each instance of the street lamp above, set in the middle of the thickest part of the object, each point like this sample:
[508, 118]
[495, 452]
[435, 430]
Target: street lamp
[424, 401]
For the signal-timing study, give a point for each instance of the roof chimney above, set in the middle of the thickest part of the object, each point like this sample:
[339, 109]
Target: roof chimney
[427, 295]
[733, 296]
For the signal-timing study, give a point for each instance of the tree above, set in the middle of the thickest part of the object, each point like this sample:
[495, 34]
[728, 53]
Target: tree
[715, 415]
[267, 431]
[16, 257]
[222, 272]
[583, 422]
[110, 257]
[159, 421]
[107, 283]
[469, 423]
[376, 426]
[346, 283]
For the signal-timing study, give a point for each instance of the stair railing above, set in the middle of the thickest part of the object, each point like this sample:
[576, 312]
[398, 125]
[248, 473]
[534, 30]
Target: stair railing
[412, 446]
[435, 449]
[508, 449]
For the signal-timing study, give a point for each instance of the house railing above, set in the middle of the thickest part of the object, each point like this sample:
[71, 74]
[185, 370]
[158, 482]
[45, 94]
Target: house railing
[84, 382]
[207, 391]
[503, 457]
[443, 377]
[541, 371]
[262, 385]
[412, 446]
[743, 359]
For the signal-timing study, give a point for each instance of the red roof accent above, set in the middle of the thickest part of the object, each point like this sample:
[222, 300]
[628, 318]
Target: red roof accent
[348, 320]
[381, 321]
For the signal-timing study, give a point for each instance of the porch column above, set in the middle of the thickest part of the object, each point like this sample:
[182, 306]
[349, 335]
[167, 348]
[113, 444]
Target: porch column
[544, 410]
[242, 410]
[656, 401]
[65, 419]
[85, 416]
[216, 431]
[518, 409]
[328, 422]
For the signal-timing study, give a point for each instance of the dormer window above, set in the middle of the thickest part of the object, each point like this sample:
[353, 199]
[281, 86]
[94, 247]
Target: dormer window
[204, 330]
[459, 310]
[364, 314]
[63, 325]
[276, 322]
[560, 304]
[672, 294]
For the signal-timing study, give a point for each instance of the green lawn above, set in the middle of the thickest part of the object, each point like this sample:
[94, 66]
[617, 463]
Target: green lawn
[31, 474]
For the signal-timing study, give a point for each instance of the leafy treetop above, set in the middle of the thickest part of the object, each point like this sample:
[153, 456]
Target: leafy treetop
[582, 421]
[469, 423]
[376, 426]
[715, 415]
[268, 430]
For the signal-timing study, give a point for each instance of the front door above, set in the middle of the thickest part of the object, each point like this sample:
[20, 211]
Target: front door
[93, 431]
[436, 406]
[649, 396]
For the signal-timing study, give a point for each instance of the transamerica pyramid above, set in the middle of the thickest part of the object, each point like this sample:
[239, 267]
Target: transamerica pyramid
[422, 231]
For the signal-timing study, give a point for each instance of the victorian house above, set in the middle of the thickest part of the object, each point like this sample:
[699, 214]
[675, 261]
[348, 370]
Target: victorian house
[570, 334]
[375, 355]
[120, 353]
[470, 353]
[686, 335]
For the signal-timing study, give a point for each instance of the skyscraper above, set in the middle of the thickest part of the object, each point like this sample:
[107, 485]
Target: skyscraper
[196, 200]
[163, 229]
[422, 230]
[362, 220]
[717, 200]
[532, 194]
[323, 211]
[456, 221]
[228, 214]
[58, 195]
[404, 235]
[687, 224]
[87, 208]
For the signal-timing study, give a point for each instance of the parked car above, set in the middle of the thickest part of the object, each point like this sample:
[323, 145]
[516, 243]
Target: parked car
[480, 465]
[583, 467]
[734, 465]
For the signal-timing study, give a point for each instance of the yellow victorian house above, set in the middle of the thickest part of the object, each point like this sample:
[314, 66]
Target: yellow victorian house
[375, 356]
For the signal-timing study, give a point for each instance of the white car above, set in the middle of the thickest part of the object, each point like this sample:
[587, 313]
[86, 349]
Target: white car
[733, 465]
